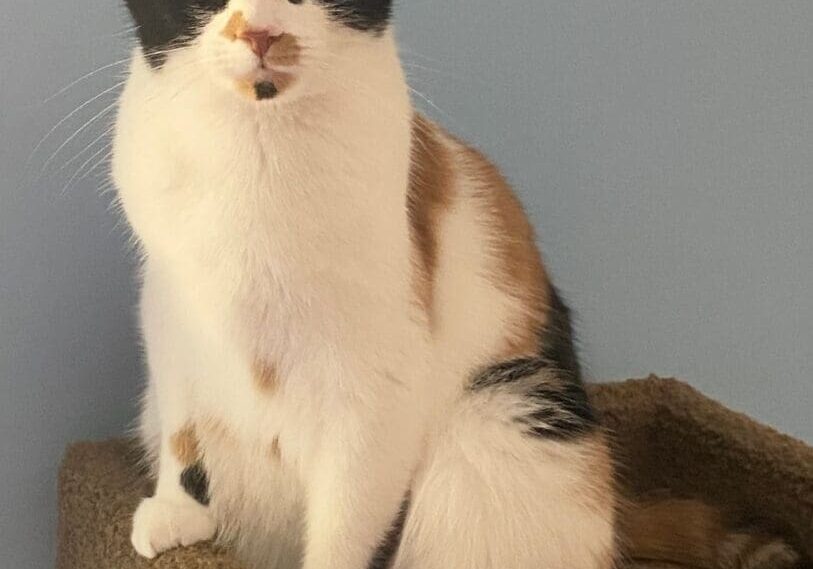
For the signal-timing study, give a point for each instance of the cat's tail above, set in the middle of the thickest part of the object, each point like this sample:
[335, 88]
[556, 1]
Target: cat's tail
[690, 533]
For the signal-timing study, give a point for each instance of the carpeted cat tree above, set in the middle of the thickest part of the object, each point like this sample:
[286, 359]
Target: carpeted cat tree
[670, 440]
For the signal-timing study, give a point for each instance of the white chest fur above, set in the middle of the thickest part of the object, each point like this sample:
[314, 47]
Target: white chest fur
[265, 236]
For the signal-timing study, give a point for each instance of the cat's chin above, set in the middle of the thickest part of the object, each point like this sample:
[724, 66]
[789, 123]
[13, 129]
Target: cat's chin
[265, 87]
[258, 90]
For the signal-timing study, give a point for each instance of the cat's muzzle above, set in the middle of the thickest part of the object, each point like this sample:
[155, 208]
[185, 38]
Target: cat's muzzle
[265, 90]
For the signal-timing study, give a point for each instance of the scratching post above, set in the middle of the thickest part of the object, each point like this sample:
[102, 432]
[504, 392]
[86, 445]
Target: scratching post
[668, 437]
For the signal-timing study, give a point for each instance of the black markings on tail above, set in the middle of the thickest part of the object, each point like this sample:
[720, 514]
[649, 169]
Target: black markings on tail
[385, 554]
[196, 483]
[551, 380]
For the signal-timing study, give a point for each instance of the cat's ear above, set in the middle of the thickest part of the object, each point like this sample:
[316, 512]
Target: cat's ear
[164, 25]
[363, 15]
[167, 19]
[157, 17]
[146, 11]
[159, 23]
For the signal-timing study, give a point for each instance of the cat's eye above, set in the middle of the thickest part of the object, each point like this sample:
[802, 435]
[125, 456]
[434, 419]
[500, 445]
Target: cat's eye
[295, 1]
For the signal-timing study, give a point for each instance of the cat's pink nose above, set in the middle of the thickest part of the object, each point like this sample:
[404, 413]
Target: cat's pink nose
[260, 41]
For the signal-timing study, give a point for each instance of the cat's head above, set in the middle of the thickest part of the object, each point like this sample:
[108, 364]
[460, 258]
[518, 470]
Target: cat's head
[260, 48]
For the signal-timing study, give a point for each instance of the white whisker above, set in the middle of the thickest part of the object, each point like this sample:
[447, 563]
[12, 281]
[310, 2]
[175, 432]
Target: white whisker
[126, 31]
[413, 53]
[68, 117]
[89, 146]
[84, 77]
[84, 165]
[81, 129]
[429, 102]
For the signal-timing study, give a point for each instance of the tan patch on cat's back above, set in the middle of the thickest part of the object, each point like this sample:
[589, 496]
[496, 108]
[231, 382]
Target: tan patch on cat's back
[517, 268]
[430, 193]
[185, 446]
[265, 377]
[235, 27]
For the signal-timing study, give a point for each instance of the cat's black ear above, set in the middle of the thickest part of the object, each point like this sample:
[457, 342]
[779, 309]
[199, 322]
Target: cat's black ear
[160, 25]
[365, 15]
[164, 25]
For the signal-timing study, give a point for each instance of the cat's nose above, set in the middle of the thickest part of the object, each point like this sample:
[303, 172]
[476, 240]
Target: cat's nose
[260, 40]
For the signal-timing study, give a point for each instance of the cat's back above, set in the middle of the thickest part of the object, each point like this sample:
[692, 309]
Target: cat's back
[481, 274]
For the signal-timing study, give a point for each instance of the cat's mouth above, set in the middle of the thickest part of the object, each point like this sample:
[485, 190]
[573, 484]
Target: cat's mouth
[265, 85]
[277, 53]
[265, 90]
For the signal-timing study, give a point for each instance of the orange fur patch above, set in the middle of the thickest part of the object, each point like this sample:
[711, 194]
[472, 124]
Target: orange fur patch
[235, 27]
[247, 88]
[430, 193]
[675, 531]
[265, 377]
[185, 446]
[285, 51]
[518, 270]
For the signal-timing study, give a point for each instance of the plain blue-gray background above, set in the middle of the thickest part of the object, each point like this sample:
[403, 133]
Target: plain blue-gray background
[664, 149]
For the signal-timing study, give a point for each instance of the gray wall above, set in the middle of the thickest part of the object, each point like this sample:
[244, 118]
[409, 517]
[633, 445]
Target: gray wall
[664, 149]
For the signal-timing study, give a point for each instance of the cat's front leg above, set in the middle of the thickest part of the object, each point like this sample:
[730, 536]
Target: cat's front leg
[177, 515]
[359, 477]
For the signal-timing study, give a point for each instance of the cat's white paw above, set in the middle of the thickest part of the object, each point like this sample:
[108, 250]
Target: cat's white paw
[160, 524]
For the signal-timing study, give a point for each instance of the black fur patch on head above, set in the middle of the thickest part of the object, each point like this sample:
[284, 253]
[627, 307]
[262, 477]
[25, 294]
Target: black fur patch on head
[385, 553]
[196, 483]
[168, 24]
[363, 15]
[551, 380]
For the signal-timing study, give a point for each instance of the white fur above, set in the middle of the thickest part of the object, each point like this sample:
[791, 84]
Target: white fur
[160, 524]
[278, 231]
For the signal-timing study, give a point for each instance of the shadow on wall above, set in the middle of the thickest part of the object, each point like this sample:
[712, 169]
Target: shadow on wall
[69, 363]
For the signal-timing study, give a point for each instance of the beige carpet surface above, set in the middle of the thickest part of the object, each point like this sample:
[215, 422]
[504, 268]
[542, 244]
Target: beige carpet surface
[668, 438]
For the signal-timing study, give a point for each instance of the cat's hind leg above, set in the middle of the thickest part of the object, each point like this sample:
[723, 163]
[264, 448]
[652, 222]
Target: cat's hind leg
[520, 478]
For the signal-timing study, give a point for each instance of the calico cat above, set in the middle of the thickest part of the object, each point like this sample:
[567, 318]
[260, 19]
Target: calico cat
[356, 357]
